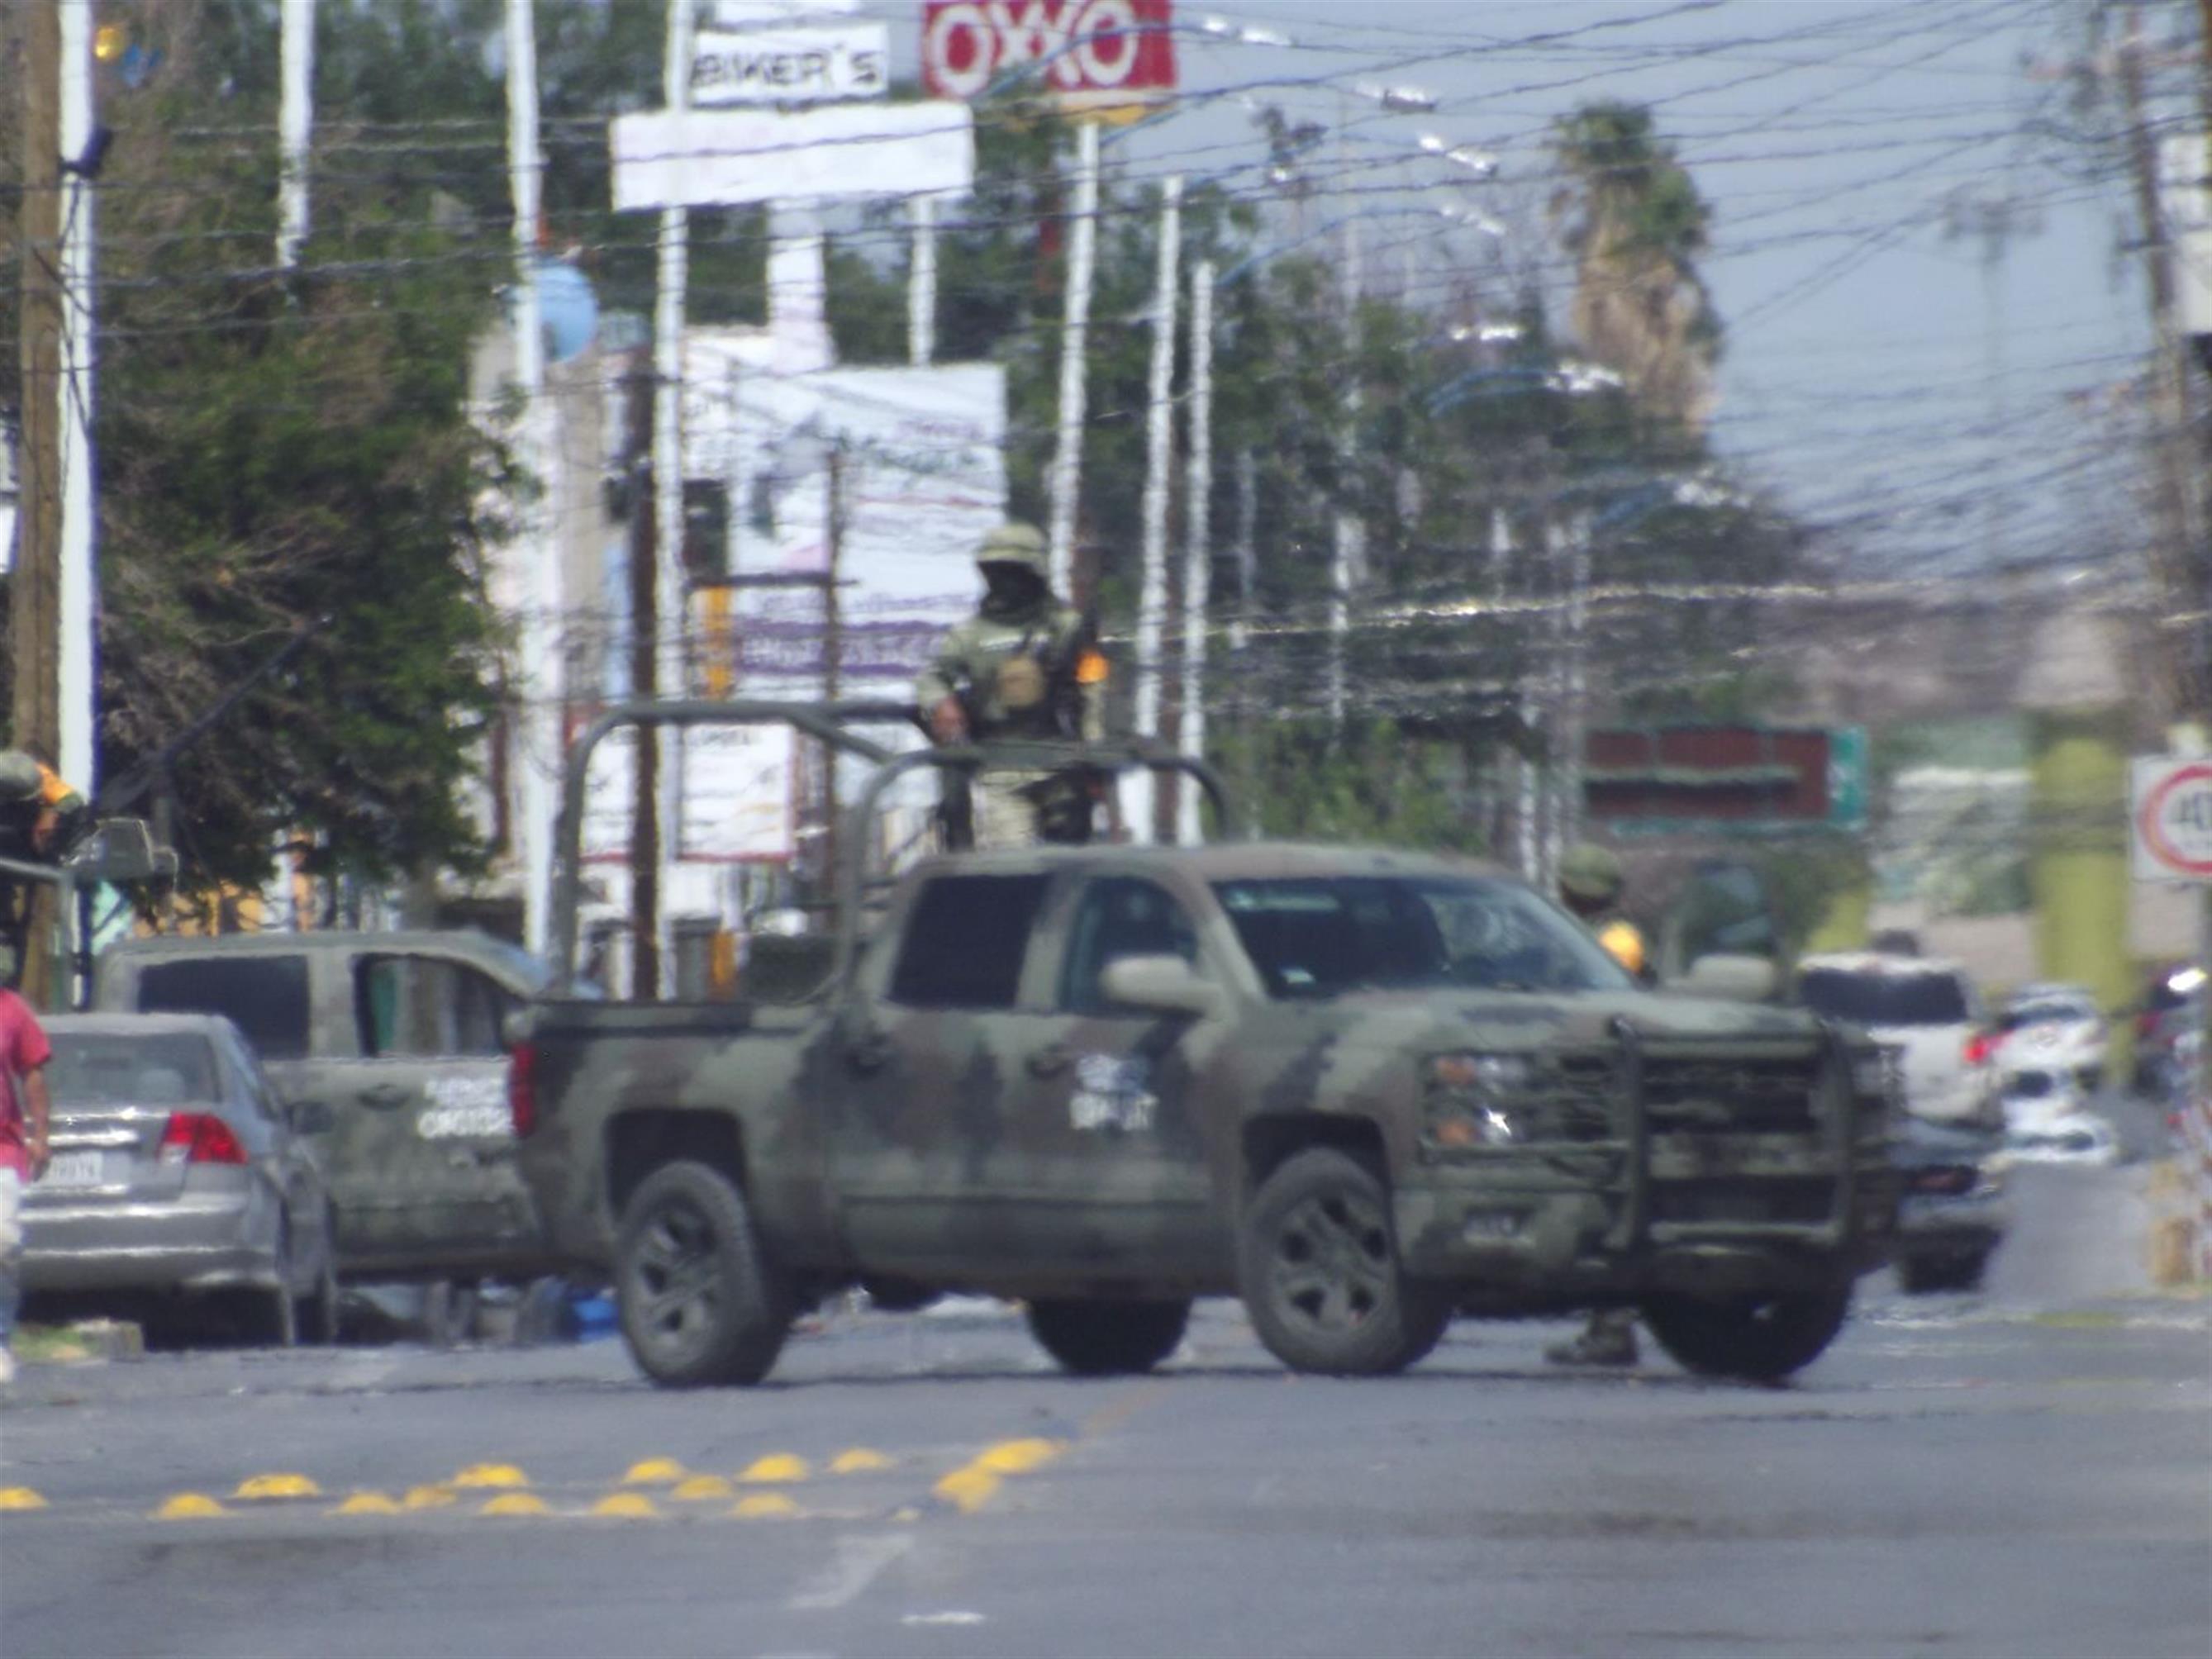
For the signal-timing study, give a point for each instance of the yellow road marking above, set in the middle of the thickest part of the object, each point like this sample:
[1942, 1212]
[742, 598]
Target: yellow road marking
[777, 1469]
[859, 1461]
[189, 1506]
[371, 1502]
[515, 1503]
[701, 1487]
[1019, 1457]
[277, 1485]
[427, 1497]
[968, 1488]
[763, 1505]
[627, 1507]
[19, 1498]
[482, 1475]
[654, 1472]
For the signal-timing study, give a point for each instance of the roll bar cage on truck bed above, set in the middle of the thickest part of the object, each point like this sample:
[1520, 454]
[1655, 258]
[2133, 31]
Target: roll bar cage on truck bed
[830, 724]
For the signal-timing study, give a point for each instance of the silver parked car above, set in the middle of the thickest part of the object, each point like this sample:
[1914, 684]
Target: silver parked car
[177, 1187]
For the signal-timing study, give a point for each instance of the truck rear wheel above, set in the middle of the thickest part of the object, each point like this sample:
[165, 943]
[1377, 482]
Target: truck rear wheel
[700, 1302]
[1761, 1339]
[1318, 1265]
[1109, 1338]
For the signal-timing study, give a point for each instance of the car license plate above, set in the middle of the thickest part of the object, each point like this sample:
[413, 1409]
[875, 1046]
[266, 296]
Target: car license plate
[75, 1170]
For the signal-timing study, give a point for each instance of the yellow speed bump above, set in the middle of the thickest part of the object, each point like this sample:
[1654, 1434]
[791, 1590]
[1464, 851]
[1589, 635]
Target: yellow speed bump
[776, 1469]
[515, 1503]
[277, 1485]
[189, 1506]
[1019, 1456]
[486, 1476]
[859, 1461]
[627, 1507]
[654, 1472]
[428, 1498]
[702, 1487]
[968, 1488]
[368, 1503]
[763, 1506]
[19, 1498]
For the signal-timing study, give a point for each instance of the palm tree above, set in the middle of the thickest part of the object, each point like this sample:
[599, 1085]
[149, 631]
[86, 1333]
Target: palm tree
[1635, 223]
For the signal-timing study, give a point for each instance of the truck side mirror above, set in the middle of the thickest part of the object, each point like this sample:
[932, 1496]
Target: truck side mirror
[1161, 984]
[1728, 979]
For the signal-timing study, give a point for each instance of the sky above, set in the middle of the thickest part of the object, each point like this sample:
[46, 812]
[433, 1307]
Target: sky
[1929, 409]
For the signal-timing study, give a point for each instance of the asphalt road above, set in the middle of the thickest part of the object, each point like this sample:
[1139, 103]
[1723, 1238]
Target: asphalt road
[2027, 1471]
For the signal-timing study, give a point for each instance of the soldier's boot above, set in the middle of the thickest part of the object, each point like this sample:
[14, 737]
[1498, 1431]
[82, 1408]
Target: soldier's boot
[1609, 1338]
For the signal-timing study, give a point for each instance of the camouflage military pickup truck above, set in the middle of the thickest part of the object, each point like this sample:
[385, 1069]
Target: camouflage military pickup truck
[1363, 1091]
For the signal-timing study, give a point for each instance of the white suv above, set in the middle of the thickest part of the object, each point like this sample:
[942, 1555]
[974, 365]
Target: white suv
[1928, 1011]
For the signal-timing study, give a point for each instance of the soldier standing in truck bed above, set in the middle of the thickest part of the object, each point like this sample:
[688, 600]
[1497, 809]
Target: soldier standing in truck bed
[1023, 666]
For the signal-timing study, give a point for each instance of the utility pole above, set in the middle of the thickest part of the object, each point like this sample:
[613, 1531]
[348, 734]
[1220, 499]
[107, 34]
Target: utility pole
[1198, 545]
[1066, 478]
[922, 284]
[833, 653]
[1348, 535]
[34, 588]
[77, 664]
[1139, 787]
[645, 954]
[2181, 559]
[295, 120]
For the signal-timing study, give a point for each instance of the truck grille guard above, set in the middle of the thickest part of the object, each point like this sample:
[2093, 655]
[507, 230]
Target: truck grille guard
[1836, 1109]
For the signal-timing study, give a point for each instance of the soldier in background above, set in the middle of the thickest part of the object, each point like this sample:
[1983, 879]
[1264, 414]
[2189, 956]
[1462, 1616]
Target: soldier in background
[1591, 883]
[1023, 666]
[40, 815]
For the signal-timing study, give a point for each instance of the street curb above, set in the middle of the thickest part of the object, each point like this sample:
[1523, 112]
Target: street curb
[84, 1342]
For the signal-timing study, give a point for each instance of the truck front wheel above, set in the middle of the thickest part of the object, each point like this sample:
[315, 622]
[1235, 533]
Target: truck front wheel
[1759, 1339]
[1318, 1266]
[1109, 1338]
[700, 1304]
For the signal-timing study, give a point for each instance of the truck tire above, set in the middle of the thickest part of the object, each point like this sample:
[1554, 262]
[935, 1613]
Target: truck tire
[1758, 1338]
[1109, 1338]
[700, 1304]
[1318, 1263]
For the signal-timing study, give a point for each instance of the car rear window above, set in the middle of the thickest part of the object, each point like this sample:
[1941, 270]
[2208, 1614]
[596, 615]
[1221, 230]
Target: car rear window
[2048, 1013]
[965, 938]
[1885, 998]
[265, 997]
[106, 1068]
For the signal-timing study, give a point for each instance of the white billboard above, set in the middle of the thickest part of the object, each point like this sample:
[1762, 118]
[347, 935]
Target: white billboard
[737, 794]
[730, 157]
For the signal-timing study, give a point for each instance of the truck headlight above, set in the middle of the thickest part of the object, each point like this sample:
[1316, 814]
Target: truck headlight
[1468, 1100]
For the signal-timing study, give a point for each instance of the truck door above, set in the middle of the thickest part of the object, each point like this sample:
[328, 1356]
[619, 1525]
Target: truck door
[422, 1152]
[1106, 1121]
[928, 1076]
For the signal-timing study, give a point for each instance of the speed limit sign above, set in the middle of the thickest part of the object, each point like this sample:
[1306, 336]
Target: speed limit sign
[2173, 820]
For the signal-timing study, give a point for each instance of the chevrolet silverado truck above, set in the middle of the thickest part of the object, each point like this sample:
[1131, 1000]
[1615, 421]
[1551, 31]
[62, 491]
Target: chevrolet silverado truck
[1363, 1091]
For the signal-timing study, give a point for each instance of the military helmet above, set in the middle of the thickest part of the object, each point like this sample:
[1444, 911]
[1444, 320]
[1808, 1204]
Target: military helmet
[1014, 543]
[20, 777]
[1591, 874]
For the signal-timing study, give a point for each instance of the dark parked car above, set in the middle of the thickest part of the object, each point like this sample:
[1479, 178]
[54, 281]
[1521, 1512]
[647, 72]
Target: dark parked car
[179, 1185]
[1953, 1212]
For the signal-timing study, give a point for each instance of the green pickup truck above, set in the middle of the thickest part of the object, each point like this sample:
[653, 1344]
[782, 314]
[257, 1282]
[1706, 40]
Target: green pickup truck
[388, 1052]
[1364, 1091]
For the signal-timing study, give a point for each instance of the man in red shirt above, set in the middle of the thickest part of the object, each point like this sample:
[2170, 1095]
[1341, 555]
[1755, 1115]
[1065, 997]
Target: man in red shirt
[25, 1111]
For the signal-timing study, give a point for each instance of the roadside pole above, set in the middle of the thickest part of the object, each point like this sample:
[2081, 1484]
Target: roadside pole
[535, 741]
[76, 659]
[295, 120]
[1075, 327]
[922, 284]
[1348, 539]
[665, 615]
[1240, 631]
[34, 623]
[645, 861]
[1198, 545]
[1139, 791]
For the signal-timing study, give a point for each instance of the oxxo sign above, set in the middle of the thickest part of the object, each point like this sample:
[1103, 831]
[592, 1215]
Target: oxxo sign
[2173, 820]
[1091, 52]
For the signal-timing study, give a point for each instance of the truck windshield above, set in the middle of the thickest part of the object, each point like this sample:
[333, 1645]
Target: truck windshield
[1321, 936]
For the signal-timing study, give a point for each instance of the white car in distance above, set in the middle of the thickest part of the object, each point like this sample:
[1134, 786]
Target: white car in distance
[2053, 1028]
[1928, 1011]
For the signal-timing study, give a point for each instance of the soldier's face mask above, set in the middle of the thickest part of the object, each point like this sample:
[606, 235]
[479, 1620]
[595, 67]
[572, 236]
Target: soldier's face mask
[1012, 584]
